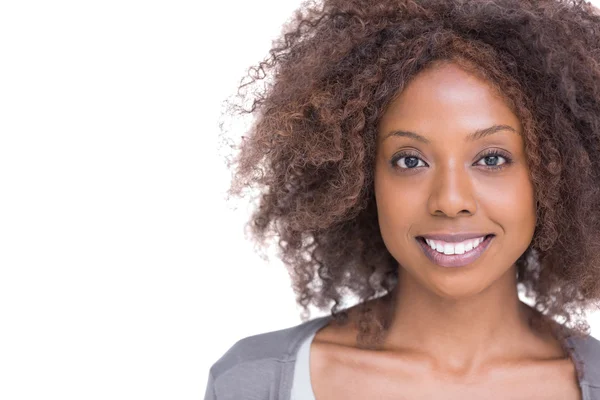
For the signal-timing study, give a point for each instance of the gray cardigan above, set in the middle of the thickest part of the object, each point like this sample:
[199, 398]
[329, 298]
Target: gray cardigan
[261, 367]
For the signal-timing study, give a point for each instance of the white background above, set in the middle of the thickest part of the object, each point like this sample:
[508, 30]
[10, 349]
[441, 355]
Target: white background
[123, 273]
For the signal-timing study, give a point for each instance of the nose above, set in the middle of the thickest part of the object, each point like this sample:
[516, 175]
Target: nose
[452, 192]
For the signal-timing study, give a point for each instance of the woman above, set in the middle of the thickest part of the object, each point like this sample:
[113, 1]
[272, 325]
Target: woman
[435, 159]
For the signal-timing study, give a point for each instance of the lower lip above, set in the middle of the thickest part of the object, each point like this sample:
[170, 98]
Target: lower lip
[455, 260]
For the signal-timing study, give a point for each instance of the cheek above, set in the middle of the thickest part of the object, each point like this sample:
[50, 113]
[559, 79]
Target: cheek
[514, 194]
[510, 202]
[397, 206]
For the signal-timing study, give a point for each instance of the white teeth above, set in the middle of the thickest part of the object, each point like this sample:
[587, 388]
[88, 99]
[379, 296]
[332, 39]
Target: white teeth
[448, 248]
[454, 248]
[459, 248]
[469, 246]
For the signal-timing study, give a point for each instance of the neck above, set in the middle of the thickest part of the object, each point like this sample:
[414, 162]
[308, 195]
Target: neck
[458, 334]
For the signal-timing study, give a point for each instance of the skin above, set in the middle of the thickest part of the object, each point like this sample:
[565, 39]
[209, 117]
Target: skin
[454, 329]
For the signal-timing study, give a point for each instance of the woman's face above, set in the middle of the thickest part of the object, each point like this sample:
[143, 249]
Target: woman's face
[434, 177]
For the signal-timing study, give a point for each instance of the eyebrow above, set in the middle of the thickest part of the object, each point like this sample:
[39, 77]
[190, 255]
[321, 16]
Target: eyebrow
[478, 134]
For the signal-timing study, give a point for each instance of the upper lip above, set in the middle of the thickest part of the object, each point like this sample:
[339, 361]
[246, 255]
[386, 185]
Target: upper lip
[454, 237]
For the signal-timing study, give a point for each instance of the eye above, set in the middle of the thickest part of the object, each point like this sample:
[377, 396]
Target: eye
[492, 160]
[407, 160]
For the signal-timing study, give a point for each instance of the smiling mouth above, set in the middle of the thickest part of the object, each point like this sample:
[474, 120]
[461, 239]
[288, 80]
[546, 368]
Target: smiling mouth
[455, 260]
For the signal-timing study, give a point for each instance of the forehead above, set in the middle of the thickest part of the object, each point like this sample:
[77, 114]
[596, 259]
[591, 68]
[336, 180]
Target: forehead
[447, 100]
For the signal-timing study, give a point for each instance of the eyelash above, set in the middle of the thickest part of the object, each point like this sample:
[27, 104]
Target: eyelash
[487, 153]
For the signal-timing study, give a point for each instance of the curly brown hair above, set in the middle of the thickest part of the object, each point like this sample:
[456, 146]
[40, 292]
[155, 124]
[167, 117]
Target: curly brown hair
[317, 100]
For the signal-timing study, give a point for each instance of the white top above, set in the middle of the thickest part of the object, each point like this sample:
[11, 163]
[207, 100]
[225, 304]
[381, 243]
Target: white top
[302, 388]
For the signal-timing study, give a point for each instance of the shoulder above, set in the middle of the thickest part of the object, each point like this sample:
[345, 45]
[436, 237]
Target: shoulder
[260, 363]
[588, 350]
[277, 345]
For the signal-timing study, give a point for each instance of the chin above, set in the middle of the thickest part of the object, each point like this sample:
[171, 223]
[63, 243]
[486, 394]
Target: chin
[456, 286]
